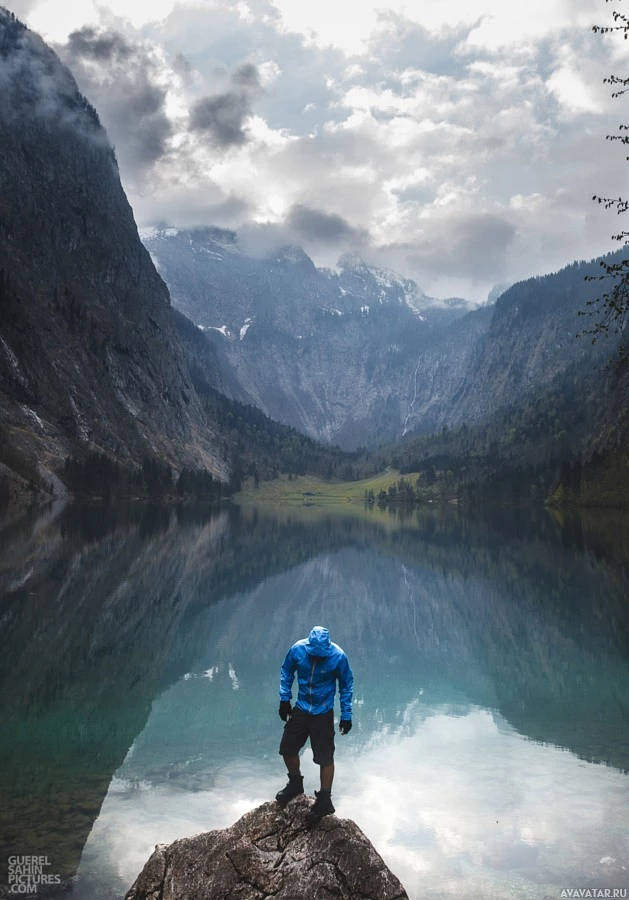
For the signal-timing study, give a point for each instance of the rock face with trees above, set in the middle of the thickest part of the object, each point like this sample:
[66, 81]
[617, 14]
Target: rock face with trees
[89, 353]
[270, 852]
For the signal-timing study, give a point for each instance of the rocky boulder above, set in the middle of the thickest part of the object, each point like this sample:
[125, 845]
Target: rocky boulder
[270, 852]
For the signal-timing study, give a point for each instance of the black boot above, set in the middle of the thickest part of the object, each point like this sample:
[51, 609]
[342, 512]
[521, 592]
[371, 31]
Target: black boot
[320, 808]
[294, 787]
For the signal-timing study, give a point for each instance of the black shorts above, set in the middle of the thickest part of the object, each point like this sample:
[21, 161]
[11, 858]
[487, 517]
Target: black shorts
[320, 729]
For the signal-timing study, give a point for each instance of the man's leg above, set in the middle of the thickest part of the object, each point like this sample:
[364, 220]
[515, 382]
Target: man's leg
[322, 740]
[292, 764]
[327, 776]
[293, 739]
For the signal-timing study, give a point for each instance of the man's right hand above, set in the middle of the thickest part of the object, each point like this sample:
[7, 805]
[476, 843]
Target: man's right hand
[285, 710]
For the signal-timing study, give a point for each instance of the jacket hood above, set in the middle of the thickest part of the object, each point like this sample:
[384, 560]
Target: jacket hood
[319, 643]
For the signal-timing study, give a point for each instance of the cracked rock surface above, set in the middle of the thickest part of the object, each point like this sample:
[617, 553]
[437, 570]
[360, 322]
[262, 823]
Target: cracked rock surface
[270, 852]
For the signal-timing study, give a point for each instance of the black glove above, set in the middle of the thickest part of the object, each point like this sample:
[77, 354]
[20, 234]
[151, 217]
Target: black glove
[345, 726]
[285, 710]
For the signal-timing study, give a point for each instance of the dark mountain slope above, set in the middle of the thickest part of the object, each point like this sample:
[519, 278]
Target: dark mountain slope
[89, 355]
[564, 440]
[531, 339]
[255, 444]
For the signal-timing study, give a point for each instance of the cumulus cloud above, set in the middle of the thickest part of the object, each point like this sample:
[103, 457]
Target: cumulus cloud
[223, 117]
[328, 228]
[247, 76]
[460, 143]
[33, 83]
[87, 43]
[21, 8]
[126, 83]
[491, 24]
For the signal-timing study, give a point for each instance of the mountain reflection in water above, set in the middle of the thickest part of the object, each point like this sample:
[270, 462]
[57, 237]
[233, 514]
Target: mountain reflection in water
[141, 649]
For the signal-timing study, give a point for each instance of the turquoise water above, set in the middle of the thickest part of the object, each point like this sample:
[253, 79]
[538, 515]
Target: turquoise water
[490, 747]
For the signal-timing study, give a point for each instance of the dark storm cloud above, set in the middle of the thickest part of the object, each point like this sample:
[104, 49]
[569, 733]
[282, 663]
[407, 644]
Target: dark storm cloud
[182, 66]
[222, 117]
[327, 228]
[247, 76]
[103, 45]
[144, 123]
[121, 79]
[471, 245]
[192, 210]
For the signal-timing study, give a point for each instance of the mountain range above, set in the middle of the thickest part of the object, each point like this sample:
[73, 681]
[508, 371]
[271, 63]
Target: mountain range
[97, 364]
[360, 355]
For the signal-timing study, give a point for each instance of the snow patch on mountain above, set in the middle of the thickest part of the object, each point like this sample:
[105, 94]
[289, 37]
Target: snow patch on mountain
[223, 329]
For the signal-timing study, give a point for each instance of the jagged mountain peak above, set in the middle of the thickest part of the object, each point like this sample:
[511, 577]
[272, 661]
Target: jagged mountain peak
[384, 283]
[349, 261]
[293, 255]
[199, 234]
[497, 291]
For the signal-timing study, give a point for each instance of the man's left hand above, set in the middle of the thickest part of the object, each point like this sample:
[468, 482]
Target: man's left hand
[345, 726]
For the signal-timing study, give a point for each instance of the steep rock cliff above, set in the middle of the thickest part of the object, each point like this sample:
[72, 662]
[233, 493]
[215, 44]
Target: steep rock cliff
[532, 337]
[89, 356]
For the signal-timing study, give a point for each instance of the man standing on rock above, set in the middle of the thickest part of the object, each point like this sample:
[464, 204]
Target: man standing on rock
[318, 663]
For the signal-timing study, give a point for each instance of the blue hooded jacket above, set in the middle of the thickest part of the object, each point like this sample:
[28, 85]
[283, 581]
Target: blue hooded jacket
[318, 663]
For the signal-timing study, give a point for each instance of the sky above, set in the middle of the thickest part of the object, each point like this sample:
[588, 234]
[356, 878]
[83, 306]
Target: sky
[457, 143]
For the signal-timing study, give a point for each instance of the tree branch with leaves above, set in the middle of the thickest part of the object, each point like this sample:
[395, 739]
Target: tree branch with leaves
[612, 307]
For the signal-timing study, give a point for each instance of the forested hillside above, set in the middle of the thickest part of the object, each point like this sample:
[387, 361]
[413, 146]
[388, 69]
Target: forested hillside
[565, 443]
[89, 357]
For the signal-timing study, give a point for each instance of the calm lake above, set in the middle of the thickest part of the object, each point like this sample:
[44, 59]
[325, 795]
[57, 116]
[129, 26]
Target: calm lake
[490, 750]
